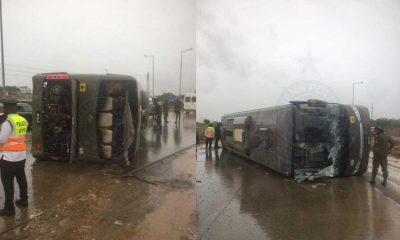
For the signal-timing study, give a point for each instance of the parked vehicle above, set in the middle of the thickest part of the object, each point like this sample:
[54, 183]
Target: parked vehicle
[87, 117]
[189, 103]
[304, 139]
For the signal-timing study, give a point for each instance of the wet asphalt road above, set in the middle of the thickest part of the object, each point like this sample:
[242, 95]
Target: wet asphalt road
[92, 202]
[238, 199]
[392, 190]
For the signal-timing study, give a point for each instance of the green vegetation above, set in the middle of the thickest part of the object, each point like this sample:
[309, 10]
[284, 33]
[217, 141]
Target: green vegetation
[391, 126]
[14, 92]
[200, 129]
[167, 97]
[396, 150]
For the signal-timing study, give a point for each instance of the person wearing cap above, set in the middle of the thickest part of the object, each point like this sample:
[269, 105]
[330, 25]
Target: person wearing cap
[382, 147]
[13, 157]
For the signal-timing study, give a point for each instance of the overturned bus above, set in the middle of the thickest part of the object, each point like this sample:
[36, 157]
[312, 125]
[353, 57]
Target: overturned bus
[304, 139]
[87, 117]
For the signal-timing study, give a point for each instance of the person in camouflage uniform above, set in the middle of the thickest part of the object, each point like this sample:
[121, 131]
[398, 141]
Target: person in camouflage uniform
[165, 111]
[158, 112]
[383, 145]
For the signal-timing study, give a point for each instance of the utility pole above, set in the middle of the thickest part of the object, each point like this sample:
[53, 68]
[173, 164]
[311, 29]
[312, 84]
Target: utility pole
[3, 74]
[354, 83]
[148, 83]
[372, 111]
[180, 75]
[152, 56]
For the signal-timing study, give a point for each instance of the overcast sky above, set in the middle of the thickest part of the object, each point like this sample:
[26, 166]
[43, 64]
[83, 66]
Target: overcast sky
[86, 36]
[257, 53]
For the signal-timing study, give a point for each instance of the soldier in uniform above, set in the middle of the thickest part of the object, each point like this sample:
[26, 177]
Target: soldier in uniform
[178, 110]
[217, 135]
[383, 145]
[158, 112]
[165, 111]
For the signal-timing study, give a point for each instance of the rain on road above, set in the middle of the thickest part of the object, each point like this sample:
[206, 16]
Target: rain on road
[239, 199]
[83, 201]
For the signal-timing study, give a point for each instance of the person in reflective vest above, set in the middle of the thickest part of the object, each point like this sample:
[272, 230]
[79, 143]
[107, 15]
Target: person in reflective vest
[13, 157]
[209, 134]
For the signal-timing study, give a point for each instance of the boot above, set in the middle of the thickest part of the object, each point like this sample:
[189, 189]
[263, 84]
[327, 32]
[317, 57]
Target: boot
[22, 203]
[384, 183]
[372, 182]
[7, 212]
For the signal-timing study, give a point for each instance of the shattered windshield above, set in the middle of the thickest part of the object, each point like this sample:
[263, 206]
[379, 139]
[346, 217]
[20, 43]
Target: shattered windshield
[312, 128]
[319, 130]
[316, 125]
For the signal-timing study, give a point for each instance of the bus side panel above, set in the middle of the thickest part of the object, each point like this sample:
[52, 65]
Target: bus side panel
[230, 140]
[137, 110]
[267, 140]
[37, 104]
[276, 155]
[284, 150]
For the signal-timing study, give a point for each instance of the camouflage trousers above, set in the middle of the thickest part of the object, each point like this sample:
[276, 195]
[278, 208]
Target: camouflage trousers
[382, 161]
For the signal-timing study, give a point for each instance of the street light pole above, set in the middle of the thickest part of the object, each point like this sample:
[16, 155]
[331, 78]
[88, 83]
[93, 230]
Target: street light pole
[180, 75]
[152, 56]
[3, 74]
[354, 83]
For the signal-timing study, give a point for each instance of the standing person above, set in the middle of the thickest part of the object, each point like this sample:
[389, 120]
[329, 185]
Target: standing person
[178, 110]
[383, 145]
[217, 135]
[158, 111]
[165, 111]
[209, 134]
[13, 157]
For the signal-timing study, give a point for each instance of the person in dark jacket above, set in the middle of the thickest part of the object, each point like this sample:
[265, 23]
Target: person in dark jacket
[165, 111]
[383, 145]
[158, 112]
[178, 110]
[217, 135]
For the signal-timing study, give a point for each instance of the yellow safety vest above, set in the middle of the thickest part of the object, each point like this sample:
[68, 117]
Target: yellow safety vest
[210, 132]
[19, 128]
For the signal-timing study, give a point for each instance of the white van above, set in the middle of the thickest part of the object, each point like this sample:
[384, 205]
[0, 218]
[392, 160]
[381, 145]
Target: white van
[189, 102]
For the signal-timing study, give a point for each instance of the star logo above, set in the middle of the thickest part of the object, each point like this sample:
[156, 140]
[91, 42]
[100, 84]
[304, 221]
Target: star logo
[309, 62]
